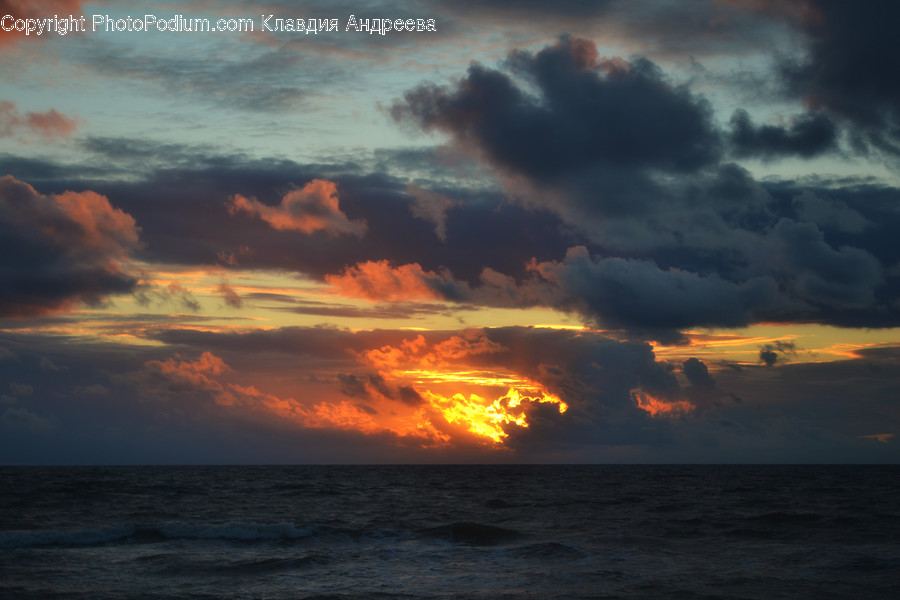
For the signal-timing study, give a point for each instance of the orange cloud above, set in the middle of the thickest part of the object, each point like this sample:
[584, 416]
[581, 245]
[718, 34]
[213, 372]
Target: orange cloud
[102, 228]
[412, 354]
[207, 374]
[197, 373]
[661, 408]
[311, 209]
[379, 281]
[49, 124]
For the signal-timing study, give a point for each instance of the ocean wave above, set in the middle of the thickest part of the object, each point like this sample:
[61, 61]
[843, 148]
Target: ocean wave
[473, 534]
[552, 551]
[240, 532]
[78, 537]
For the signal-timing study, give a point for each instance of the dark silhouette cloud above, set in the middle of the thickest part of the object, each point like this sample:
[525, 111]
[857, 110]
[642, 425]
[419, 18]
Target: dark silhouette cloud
[810, 135]
[776, 352]
[697, 373]
[588, 112]
[849, 66]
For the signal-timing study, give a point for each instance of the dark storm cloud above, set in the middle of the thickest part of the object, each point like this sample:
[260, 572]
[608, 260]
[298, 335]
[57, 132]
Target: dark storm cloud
[638, 295]
[59, 250]
[703, 392]
[850, 66]
[829, 214]
[697, 373]
[810, 135]
[587, 112]
[675, 238]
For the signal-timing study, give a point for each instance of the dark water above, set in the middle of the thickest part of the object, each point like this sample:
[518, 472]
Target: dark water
[450, 532]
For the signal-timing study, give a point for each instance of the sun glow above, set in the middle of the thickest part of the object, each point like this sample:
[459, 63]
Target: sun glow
[490, 419]
[459, 389]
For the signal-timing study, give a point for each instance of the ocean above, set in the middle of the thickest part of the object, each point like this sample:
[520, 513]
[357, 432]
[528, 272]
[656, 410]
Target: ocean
[460, 532]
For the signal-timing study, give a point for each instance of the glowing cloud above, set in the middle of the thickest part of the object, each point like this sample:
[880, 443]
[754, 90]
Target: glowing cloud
[490, 419]
[198, 373]
[380, 281]
[310, 209]
[661, 408]
[426, 370]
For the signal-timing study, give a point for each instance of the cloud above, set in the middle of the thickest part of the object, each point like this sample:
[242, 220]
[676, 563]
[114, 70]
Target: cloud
[231, 297]
[587, 112]
[20, 389]
[638, 294]
[61, 249]
[364, 386]
[776, 352]
[48, 366]
[381, 281]
[697, 373]
[310, 209]
[623, 402]
[48, 124]
[704, 393]
[198, 373]
[149, 293]
[828, 213]
[848, 69]
[845, 277]
[22, 418]
[382, 310]
[167, 200]
[811, 251]
[810, 135]
[672, 236]
[431, 207]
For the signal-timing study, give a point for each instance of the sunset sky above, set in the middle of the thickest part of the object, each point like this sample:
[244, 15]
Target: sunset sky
[563, 231]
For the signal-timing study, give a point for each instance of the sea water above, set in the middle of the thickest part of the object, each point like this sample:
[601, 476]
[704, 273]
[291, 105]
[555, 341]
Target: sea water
[384, 532]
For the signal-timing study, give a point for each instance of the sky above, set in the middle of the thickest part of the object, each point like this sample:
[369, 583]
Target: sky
[449, 232]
